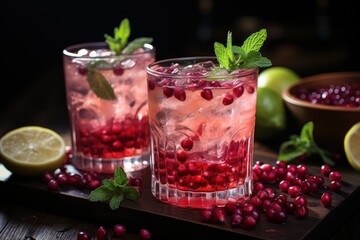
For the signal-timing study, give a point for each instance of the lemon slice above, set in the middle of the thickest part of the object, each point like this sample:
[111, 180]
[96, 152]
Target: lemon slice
[352, 146]
[32, 150]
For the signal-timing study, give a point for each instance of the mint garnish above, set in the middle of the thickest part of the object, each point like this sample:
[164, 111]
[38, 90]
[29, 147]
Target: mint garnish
[114, 191]
[99, 85]
[119, 42]
[245, 57]
[303, 144]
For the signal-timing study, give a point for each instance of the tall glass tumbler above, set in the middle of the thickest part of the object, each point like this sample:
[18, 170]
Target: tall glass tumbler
[107, 105]
[202, 131]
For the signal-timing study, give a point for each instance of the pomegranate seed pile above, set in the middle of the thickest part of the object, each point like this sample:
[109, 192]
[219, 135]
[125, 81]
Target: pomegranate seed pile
[346, 95]
[294, 184]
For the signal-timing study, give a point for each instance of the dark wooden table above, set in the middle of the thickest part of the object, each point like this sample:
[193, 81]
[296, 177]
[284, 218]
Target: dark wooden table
[28, 210]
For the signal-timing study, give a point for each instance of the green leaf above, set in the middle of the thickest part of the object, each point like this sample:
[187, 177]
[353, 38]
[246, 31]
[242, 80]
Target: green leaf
[307, 132]
[255, 41]
[109, 184]
[254, 59]
[123, 32]
[120, 177]
[135, 44]
[116, 200]
[221, 54]
[289, 151]
[100, 86]
[119, 42]
[101, 194]
[229, 49]
[131, 193]
[245, 57]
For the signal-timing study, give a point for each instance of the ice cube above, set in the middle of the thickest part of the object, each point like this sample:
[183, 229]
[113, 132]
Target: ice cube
[87, 114]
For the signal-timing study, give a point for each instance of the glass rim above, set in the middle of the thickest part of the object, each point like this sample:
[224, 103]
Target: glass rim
[169, 61]
[94, 45]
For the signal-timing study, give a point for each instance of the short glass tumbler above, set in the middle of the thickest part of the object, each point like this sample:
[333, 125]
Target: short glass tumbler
[202, 123]
[107, 105]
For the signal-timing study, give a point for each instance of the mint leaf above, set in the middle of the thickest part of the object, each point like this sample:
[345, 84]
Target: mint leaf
[116, 200]
[131, 193]
[135, 44]
[102, 193]
[255, 41]
[115, 191]
[247, 56]
[120, 38]
[221, 54]
[119, 42]
[99, 85]
[303, 144]
[120, 178]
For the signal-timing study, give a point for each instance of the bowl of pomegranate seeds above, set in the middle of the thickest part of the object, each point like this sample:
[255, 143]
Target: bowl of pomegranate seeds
[331, 101]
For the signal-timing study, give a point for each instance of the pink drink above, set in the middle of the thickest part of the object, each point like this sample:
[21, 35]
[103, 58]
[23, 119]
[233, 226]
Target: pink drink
[201, 129]
[107, 133]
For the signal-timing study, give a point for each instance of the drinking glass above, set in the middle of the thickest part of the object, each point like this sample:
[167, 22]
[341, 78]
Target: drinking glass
[107, 105]
[202, 123]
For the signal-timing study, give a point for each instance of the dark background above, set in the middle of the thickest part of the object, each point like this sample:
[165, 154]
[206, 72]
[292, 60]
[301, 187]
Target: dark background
[309, 37]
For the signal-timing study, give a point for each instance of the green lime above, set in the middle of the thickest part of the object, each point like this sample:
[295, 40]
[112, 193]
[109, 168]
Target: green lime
[277, 78]
[270, 115]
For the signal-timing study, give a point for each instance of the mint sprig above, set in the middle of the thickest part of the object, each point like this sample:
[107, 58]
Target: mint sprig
[115, 191]
[303, 144]
[120, 45]
[119, 42]
[247, 56]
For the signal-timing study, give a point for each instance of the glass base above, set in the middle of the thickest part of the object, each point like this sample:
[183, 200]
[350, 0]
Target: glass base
[199, 199]
[108, 166]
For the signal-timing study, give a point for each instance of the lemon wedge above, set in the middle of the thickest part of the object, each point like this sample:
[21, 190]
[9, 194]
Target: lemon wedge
[352, 146]
[32, 150]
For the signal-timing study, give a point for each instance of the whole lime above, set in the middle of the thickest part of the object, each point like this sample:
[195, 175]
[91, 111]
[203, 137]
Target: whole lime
[277, 78]
[270, 115]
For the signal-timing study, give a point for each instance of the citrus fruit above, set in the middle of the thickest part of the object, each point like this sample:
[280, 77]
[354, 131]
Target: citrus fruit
[270, 114]
[31, 150]
[277, 78]
[352, 146]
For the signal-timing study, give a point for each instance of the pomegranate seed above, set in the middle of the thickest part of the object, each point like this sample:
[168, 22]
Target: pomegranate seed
[206, 215]
[83, 236]
[300, 200]
[335, 176]
[82, 70]
[302, 170]
[62, 179]
[47, 176]
[249, 222]
[227, 99]
[118, 69]
[335, 185]
[325, 170]
[218, 216]
[181, 155]
[168, 92]
[230, 207]
[326, 199]
[290, 207]
[95, 183]
[187, 144]
[206, 94]
[238, 91]
[135, 182]
[293, 191]
[301, 211]
[119, 230]
[284, 185]
[236, 220]
[180, 94]
[53, 185]
[102, 233]
[144, 234]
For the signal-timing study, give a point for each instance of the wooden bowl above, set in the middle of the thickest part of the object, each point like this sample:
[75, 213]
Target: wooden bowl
[330, 122]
